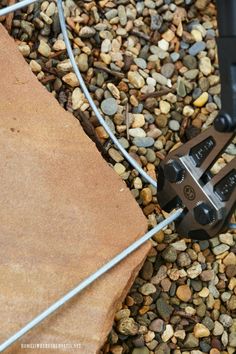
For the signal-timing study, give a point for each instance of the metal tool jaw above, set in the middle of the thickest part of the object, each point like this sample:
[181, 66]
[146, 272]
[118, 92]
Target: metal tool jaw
[184, 177]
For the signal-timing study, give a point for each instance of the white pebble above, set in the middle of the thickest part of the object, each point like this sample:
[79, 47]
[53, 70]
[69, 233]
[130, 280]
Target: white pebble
[168, 333]
[163, 44]
[164, 107]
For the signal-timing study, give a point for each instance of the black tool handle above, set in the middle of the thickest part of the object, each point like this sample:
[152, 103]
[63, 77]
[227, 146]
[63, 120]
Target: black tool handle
[226, 9]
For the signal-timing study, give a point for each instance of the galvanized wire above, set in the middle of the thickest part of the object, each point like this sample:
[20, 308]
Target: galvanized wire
[91, 102]
[17, 6]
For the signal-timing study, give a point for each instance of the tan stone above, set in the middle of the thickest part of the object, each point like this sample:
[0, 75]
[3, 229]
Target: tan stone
[204, 292]
[159, 236]
[146, 195]
[230, 259]
[201, 331]
[64, 213]
[59, 44]
[214, 351]
[71, 79]
[181, 334]
[184, 293]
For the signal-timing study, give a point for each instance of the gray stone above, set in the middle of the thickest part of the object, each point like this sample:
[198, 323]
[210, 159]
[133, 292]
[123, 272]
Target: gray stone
[196, 93]
[215, 90]
[213, 290]
[204, 84]
[111, 14]
[201, 310]
[204, 346]
[137, 133]
[141, 63]
[220, 249]
[157, 325]
[87, 32]
[138, 341]
[177, 116]
[196, 48]
[147, 270]
[156, 22]
[196, 285]
[191, 341]
[164, 309]
[203, 245]
[184, 45]
[169, 254]
[122, 15]
[147, 289]
[143, 350]
[174, 125]
[207, 321]
[167, 70]
[190, 62]
[226, 320]
[150, 155]
[162, 348]
[109, 106]
[143, 142]
[162, 80]
[183, 260]
[191, 74]
[124, 142]
[181, 89]
[218, 329]
[175, 56]
[231, 149]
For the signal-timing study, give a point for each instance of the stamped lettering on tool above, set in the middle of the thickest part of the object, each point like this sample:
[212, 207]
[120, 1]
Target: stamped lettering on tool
[189, 192]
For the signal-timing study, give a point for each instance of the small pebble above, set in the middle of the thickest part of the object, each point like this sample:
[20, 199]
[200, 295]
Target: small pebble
[143, 142]
[184, 293]
[201, 331]
[196, 48]
[168, 333]
[141, 63]
[44, 49]
[164, 107]
[174, 125]
[82, 62]
[119, 168]
[24, 49]
[136, 79]
[147, 289]
[59, 44]
[201, 100]
[109, 106]
[71, 79]
[35, 67]
[205, 66]
[138, 121]
[127, 326]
